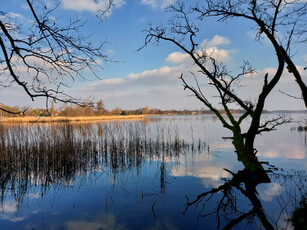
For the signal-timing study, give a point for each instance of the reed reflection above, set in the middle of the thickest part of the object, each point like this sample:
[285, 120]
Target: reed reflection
[43, 154]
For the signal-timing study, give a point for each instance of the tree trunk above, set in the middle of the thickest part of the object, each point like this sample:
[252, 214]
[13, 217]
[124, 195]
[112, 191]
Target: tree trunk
[292, 69]
[246, 155]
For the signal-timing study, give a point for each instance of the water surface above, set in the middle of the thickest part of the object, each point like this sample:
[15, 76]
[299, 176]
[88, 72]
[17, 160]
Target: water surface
[141, 175]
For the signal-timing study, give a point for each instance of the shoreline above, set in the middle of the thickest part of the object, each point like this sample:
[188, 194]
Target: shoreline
[68, 119]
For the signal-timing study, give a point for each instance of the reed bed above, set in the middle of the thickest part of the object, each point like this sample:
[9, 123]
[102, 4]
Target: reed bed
[67, 119]
[44, 154]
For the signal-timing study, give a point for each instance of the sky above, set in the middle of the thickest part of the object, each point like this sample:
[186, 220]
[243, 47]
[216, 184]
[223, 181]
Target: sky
[150, 76]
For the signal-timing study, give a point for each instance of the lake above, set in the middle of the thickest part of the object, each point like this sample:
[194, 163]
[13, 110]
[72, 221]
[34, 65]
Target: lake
[164, 172]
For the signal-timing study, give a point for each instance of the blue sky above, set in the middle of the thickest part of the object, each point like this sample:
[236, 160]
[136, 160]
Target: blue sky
[150, 77]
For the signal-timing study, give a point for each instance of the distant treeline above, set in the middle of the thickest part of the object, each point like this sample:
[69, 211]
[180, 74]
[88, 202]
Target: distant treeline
[98, 110]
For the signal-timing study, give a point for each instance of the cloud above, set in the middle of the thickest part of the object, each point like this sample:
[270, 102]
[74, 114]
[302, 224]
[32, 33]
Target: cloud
[210, 176]
[220, 55]
[208, 48]
[268, 191]
[217, 40]
[9, 210]
[102, 221]
[177, 57]
[214, 173]
[149, 78]
[159, 76]
[12, 22]
[113, 81]
[156, 88]
[205, 167]
[158, 4]
[221, 146]
[282, 149]
[11, 15]
[211, 48]
[10, 207]
[90, 5]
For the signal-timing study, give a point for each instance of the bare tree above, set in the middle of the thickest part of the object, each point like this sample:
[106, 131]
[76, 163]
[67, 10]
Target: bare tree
[283, 22]
[43, 56]
[181, 31]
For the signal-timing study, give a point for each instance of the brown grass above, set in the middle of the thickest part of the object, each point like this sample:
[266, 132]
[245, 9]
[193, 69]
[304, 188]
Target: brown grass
[67, 119]
[45, 154]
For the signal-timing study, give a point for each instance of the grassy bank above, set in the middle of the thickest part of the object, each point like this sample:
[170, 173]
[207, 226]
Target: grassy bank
[66, 119]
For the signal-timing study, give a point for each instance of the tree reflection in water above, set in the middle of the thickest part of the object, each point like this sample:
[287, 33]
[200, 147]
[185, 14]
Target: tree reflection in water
[245, 182]
[229, 204]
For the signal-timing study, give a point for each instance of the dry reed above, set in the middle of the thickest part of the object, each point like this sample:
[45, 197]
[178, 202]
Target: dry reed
[33, 119]
[42, 155]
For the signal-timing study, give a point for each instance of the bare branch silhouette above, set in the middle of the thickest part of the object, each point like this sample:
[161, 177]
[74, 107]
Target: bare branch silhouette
[42, 55]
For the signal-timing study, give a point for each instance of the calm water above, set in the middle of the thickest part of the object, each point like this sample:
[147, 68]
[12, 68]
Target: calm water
[142, 174]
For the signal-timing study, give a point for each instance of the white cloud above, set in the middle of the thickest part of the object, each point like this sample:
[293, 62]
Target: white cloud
[157, 88]
[149, 78]
[218, 54]
[10, 207]
[159, 76]
[207, 48]
[89, 5]
[158, 4]
[9, 210]
[114, 81]
[211, 48]
[268, 191]
[102, 221]
[221, 146]
[205, 167]
[282, 149]
[12, 15]
[177, 57]
[217, 40]
[214, 173]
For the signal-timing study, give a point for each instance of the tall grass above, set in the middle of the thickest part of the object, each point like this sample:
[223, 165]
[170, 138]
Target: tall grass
[33, 119]
[44, 154]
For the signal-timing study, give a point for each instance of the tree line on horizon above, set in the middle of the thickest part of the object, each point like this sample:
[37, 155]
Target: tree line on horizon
[98, 110]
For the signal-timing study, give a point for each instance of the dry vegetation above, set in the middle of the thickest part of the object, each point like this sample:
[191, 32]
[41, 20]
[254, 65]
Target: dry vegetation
[33, 119]
[43, 154]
